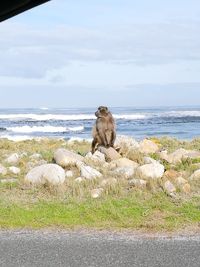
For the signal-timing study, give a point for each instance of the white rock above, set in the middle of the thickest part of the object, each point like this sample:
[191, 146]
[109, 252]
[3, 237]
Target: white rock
[96, 193]
[147, 146]
[66, 158]
[3, 170]
[176, 156]
[89, 172]
[36, 156]
[126, 143]
[180, 180]
[96, 157]
[149, 160]
[195, 175]
[150, 171]
[138, 182]
[169, 187]
[69, 174]
[52, 173]
[79, 179]
[125, 172]
[14, 170]
[110, 153]
[123, 162]
[13, 159]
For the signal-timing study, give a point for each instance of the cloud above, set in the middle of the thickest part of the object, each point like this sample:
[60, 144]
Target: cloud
[32, 52]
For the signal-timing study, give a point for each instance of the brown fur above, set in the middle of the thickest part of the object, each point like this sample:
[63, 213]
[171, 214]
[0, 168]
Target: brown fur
[103, 132]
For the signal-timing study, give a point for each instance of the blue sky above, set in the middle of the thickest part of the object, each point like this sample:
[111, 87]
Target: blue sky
[104, 52]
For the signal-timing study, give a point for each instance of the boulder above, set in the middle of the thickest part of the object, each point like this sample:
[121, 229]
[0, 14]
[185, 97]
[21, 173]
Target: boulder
[14, 170]
[193, 154]
[138, 183]
[185, 188]
[79, 179]
[180, 181]
[125, 172]
[3, 170]
[66, 158]
[123, 162]
[177, 156]
[96, 193]
[110, 153]
[147, 146]
[150, 171]
[172, 174]
[36, 156]
[126, 143]
[51, 173]
[97, 157]
[149, 160]
[169, 187]
[89, 172]
[195, 175]
[13, 159]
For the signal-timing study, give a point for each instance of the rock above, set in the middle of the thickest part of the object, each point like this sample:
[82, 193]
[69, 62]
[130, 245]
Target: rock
[195, 175]
[180, 181]
[13, 159]
[138, 183]
[176, 156]
[96, 157]
[9, 180]
[3, 170]
[52, 173]
[123, 162]
[110, 153]
[89, 172]
[66, 158]
[14, 170]
[150, 171]
[126, 143]
[147, 146]
[96, 193]
[69, 174]
[108, 182]
[30, 165]
[163, 155]
[36, 156]
[172, 174]
[125, 172]
[193, 154]
[149, 160]
[79, 179]
[186, 188]
[169, 187]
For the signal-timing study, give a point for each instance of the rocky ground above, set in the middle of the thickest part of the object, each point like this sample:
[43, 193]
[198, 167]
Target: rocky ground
[145, 166]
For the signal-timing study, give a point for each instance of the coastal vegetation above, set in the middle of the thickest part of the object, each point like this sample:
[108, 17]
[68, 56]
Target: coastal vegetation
[113, 193]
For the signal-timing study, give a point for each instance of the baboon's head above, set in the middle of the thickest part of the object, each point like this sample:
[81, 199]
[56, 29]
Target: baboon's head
[102, 111]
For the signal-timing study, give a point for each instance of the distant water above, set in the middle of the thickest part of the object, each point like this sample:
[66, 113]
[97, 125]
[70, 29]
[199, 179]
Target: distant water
[19, 124]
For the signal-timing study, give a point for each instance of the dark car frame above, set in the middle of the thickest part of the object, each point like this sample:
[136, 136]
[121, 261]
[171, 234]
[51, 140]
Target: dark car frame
[10, 8]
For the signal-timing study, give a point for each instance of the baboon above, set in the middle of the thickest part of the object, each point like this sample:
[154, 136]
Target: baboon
[104, 132]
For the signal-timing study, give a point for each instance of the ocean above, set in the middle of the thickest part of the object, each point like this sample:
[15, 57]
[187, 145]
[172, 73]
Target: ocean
[76, 123]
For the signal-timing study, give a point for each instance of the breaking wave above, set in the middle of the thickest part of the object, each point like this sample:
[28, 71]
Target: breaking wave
[45, 129]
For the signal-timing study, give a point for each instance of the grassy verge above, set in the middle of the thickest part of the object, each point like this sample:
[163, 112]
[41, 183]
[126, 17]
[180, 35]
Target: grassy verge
[120, 206]
[152, 213]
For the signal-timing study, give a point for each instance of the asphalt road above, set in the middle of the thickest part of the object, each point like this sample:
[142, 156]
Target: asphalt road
[90, 249]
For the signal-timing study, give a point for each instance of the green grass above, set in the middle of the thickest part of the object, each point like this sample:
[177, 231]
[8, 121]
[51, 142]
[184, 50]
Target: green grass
[155, 213]
[119, 207]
